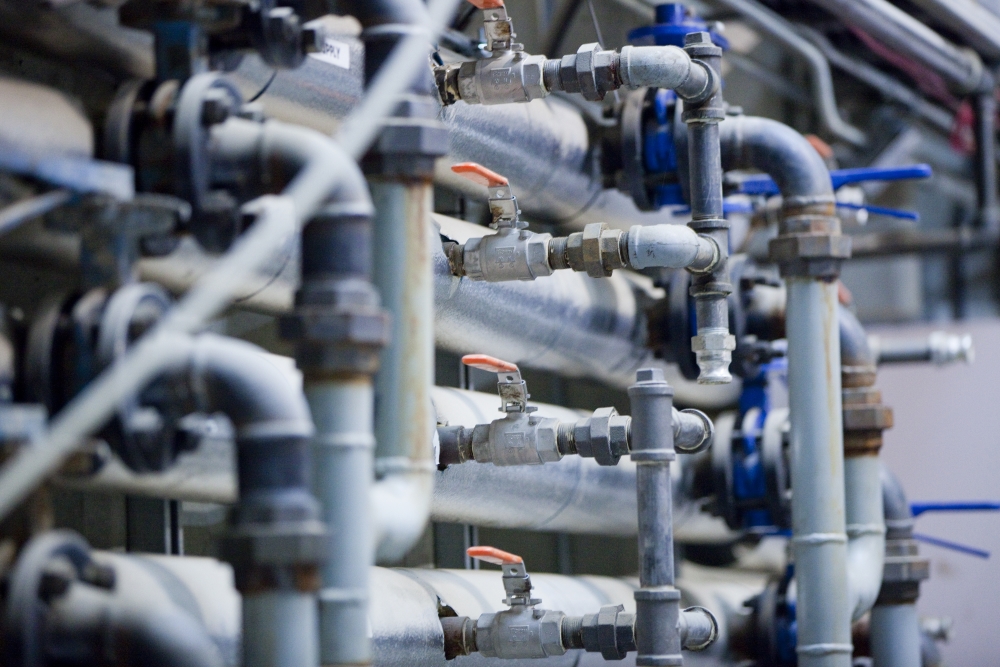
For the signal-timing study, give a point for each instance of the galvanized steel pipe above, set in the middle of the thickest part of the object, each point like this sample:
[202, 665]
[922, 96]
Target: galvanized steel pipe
[962, 70]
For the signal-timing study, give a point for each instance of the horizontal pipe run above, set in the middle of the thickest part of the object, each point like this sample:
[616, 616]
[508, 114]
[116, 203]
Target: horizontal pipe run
[904, 34]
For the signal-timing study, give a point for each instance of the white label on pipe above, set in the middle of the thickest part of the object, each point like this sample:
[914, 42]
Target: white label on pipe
[335, 53]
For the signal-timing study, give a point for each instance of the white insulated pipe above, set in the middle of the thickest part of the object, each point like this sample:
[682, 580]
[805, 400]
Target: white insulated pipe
[819, 539]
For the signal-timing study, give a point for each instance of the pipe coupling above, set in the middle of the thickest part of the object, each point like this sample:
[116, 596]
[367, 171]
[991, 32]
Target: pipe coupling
[338, 327]
[865, 418]
[902, 573]
[810, 246]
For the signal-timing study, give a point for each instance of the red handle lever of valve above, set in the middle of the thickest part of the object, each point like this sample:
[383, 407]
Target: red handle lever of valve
[487, 4]
[493, 555]
[477, 173]
[485, 362]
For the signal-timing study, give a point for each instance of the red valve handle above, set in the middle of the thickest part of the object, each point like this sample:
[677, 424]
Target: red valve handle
[477, 173]
[487, 4]
[493, 555]
[485, 362]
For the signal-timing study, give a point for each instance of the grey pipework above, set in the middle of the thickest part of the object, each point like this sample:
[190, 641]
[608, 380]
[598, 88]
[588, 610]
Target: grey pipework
[518, 254]
[823, 96]
[939, 348]
[894, 625]
[276, 528]
[713, 344]
[521, 438]
[658, 623]
[902, 33]
[809, 260]
[864, 420]
[591, 71]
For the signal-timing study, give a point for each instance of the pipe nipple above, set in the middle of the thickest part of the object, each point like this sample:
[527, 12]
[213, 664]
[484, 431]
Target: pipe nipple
[713, 349]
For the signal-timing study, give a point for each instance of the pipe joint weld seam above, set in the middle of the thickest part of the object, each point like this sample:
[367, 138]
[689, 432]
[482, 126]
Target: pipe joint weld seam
[824, 649]
[859, 529]
[343, 596]
[820, 538]
[345, 440]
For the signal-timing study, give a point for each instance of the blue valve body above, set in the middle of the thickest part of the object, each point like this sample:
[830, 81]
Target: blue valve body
[672, 24]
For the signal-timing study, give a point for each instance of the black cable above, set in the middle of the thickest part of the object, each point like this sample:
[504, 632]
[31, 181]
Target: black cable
[560, 28]
[264, 89]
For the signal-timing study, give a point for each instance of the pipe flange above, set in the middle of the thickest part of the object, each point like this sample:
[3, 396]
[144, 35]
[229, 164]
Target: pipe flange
[205, 100]
[143, 432]
[32, 580]
[259, 552]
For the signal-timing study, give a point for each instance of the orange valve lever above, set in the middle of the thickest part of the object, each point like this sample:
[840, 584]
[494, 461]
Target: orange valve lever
[477, 173]
[485, 362]
[487, 4]
[493, 555]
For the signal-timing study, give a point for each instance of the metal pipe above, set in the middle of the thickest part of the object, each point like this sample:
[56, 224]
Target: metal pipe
[978, 26]
[404, 420]
[272, 427]
[713, 345]
[657, 601]
[886, 85]
[984, 105]
[864, 419]
[906, 35]
[823, 95]
[817, 474]
[568, 322]
[894, 624]
[339, 328]
[817, 449]
[574, 495]
[939, 348]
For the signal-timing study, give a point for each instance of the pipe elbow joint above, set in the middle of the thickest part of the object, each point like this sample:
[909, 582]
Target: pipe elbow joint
[667, 67]
[693, 431]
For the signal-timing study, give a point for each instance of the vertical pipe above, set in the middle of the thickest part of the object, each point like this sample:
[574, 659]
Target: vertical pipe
[343, 473]
[713, 345]
[341, 330]
[985, 106]
[657, 602]
[817, 451]
[404, 420]
[895, 635]
[405, 423]
[279, 629]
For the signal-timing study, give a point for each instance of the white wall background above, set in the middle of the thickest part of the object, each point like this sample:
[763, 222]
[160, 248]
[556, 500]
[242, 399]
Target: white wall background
[946, 446]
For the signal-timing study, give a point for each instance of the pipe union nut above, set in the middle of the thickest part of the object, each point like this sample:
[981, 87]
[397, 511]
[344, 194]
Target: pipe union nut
[532, 77]
[601, 250]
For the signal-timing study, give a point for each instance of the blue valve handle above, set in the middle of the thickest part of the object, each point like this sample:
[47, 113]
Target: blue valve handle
[955, 506]
[762, 184]
[881, 210]
[954, 546]
[841, 177]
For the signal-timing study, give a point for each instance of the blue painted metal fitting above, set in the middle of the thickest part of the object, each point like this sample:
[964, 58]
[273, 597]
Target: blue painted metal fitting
[673, 22]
